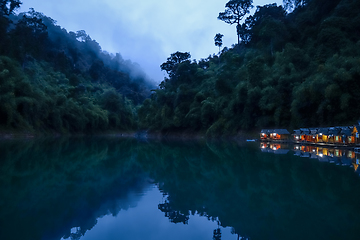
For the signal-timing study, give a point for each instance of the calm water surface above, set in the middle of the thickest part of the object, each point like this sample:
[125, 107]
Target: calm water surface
[109, 188]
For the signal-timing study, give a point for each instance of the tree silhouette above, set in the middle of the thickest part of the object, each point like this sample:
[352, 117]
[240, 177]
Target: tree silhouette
[291, 5]
[173, 61]
[174, 216]
[235, 10]
[7, 7]
[217, 234]
[218, 40]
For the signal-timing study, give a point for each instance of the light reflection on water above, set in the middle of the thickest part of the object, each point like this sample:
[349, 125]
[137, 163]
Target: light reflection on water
[109, 188]
[343, 156]
[146, 221]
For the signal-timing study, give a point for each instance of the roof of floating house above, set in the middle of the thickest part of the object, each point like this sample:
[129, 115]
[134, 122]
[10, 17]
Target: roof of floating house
[305, 130]
[334, 131]
[323, 131]
[345, 127]
[313, 131]
[346, 132]
[277, 131]
[281, 131]
[297, 131]
[267, 131]
[343, 130]
[338, 130]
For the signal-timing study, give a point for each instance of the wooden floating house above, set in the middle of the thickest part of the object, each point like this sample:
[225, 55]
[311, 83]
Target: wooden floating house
[274, 134]
[339, 135]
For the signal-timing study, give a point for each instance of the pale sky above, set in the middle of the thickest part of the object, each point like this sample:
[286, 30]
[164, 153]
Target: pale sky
[145, 31]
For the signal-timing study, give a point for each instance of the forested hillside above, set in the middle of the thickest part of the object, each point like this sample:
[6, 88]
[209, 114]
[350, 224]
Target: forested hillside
[291, 69]
[54, 81]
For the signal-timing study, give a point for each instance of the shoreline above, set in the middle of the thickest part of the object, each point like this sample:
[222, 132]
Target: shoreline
[144, 135]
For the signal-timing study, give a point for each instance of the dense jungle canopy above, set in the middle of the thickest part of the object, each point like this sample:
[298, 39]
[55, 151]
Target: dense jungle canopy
[54, 81]
[293, 67]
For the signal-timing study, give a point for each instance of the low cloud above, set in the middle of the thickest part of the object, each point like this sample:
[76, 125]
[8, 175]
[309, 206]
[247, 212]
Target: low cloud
[144, 31]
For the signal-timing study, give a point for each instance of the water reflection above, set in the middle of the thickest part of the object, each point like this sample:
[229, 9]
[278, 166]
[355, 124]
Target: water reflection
[173, 215]
[50, 186]
[77, 188]
[339, 156]
[276, 148]
[260, 195]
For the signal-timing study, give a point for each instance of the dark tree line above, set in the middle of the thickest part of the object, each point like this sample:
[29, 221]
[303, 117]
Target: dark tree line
[52, 80]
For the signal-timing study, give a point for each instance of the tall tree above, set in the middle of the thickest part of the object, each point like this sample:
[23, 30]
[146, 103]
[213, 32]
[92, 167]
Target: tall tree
[7, 7]
[173, 61]
[235, 10]
[218, 40]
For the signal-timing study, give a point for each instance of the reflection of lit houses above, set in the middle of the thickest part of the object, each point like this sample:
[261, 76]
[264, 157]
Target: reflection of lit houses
[264, 145]
[273, 148]
[356, 163]
[338, 156]
[274, 134]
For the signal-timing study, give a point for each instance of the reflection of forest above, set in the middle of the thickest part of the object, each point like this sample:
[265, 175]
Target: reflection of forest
[48, 187]
[259, 195]
[173, 215]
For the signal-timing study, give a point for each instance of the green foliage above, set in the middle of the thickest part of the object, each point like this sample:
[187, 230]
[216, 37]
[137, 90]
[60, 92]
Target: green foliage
[290, 5]
[218, 40]
[235, 10]
[286, 73]
[292, 68]
[172, 63]
[52, 81]
[7, 7]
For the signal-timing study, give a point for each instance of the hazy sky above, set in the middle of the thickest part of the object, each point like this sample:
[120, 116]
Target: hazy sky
[145, 31]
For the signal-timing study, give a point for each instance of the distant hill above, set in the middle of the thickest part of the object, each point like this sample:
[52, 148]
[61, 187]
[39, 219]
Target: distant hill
[54, 81]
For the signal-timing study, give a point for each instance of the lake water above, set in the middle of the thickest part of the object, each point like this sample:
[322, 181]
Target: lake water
[110, 188]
